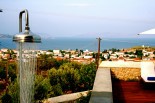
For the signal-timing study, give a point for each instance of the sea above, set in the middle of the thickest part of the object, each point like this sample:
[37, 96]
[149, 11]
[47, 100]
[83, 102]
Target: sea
[90, 44]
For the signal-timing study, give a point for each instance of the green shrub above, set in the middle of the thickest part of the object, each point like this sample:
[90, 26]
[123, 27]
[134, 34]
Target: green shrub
[13, 91]
[2, 72]
[7, 98]
[72, 77]
[87, 73]
[12, 71]
[42, 88]
[84, 99]
[57, 90]
[2, 86]
[67, 77]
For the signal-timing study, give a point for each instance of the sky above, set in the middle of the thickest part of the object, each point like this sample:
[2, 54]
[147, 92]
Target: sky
[80, 18]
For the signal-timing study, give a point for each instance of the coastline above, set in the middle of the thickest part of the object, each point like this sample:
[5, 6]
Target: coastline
[91, 44]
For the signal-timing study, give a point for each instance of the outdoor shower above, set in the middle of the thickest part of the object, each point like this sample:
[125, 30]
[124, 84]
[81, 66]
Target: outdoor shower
[26, 44]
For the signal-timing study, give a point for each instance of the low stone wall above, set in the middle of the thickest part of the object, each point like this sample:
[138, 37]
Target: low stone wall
[126, 74]
[102, 89]
[67, 98]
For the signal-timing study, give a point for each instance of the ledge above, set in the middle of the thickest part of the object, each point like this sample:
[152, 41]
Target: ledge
[66, 98]
[102, 89]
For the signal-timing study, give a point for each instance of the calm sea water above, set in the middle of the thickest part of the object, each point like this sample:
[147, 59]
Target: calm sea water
[84, 43]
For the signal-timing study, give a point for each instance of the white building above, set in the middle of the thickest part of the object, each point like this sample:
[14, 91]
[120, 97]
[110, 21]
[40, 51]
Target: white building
[56, 52]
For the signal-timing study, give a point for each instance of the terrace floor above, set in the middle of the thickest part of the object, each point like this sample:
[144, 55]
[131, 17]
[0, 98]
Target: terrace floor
[133, 92]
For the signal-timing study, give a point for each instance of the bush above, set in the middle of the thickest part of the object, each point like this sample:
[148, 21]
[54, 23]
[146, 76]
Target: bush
[57, 90]
[6, 98]
[73, 77]
[13, 91]
[84, 99]
[2, 85]
[12, 71]
[42, 88]
[66, 76]
[87, 73]
[2, 72]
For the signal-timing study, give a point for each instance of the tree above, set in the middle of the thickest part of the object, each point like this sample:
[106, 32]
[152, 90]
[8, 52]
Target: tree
[94, 55]
[103, 58]
[67, 76]
[130, 53]
[139, 53]
[13, 91]
[42, 88]
[11, 53]
[46, 62]
[57, 90]
[105, 51]
[81, 52]
[70, 76]
[154, 52]
[114, 50]
[2, 72]
[74, 65]
[50, 50]
[12, 71]
[54, 76]
[87, 73]
[77, 50]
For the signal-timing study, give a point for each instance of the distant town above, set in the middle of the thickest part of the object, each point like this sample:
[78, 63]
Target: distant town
[136, 53]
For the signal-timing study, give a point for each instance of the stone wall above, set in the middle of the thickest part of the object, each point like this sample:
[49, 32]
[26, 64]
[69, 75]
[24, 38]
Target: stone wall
[126, 74]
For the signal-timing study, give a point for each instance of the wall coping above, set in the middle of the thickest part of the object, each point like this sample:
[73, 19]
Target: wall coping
[102, 89]
[66, 97]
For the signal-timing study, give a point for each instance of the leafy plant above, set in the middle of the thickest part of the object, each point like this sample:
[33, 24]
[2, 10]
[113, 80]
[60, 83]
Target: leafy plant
[6, 98]
[13, 91]
[87, 73]
[42, 88]
[84, 99]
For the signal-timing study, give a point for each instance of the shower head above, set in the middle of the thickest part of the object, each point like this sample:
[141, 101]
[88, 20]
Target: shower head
[27, 35]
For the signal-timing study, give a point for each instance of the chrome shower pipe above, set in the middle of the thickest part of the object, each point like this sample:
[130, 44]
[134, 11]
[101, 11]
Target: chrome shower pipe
[26, 20]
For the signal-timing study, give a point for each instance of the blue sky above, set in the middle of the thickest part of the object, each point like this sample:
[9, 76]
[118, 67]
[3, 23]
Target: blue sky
[80, 18]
